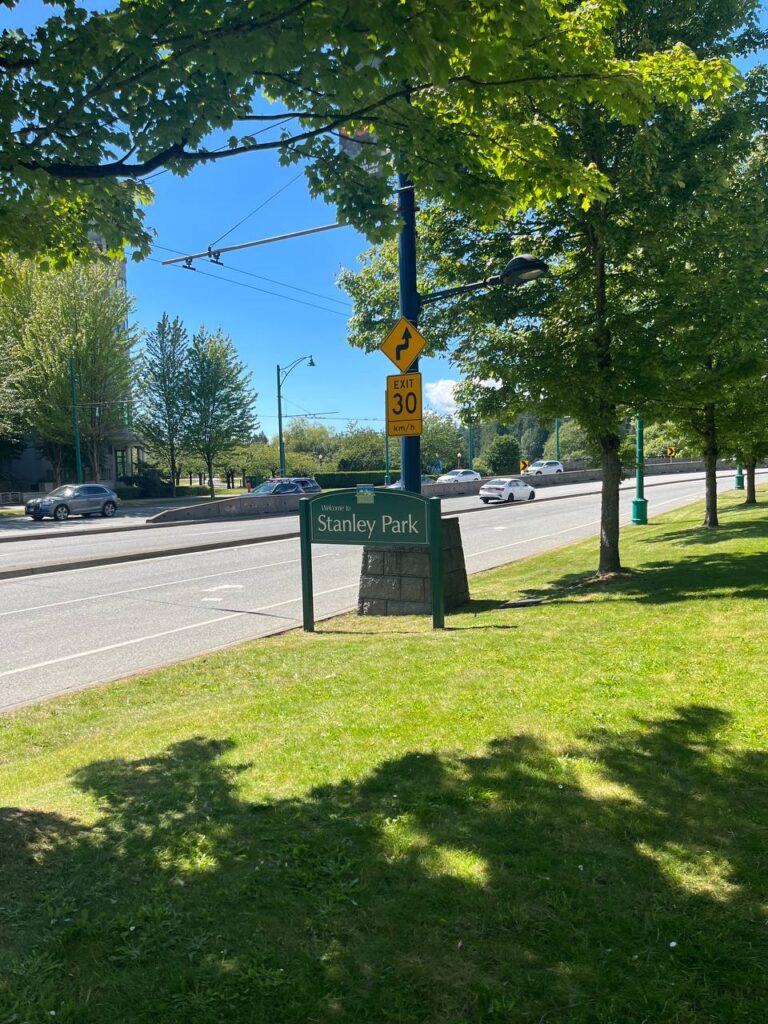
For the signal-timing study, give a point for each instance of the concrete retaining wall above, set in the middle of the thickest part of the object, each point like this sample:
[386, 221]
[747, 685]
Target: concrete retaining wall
[247, 506]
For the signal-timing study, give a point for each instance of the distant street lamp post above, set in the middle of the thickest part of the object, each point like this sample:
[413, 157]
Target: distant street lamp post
[639, 502]
[75, 420]
[282, 373]
[557, 438]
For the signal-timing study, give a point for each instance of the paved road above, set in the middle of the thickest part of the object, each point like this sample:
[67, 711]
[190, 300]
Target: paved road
[40, 549]
[71, 629]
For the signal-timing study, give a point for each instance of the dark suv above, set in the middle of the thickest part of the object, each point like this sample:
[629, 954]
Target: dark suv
[288, 485]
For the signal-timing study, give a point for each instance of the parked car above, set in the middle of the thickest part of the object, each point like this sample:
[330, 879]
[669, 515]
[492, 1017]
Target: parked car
[506, 488]
[398, 485]
[459, 476]
[288, 485]
[542, 467]
[74, 499]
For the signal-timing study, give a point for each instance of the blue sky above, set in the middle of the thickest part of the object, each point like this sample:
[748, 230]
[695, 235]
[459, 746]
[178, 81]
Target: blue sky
[190, 213]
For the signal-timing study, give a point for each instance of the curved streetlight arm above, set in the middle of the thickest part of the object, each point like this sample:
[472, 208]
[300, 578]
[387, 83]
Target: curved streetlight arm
[462, 289]
[285, 370]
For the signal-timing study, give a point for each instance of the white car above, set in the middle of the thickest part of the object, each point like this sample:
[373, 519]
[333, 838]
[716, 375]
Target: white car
[542, 467]
[506, 488]
[459, 476]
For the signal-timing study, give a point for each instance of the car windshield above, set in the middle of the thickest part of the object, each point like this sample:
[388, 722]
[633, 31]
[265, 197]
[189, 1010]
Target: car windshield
[498, 482]
[268, 487]
[62, 492]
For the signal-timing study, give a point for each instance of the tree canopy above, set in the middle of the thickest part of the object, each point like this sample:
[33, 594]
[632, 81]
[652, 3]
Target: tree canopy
[578, 342]
[93, 101]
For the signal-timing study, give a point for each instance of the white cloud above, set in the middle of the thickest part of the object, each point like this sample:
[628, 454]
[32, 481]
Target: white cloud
[440, 396]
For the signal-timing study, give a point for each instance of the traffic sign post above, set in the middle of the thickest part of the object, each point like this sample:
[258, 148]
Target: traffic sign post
[404, 405]
[403, 345]
[524, 464]
[671, 452]
[386, 519]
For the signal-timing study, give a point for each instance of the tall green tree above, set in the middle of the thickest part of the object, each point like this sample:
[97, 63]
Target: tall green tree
[360, 448]
[503, 454]
[94, 101]
[576, 343]
[703, 288]
[162, 392]
[76, 318]
[220, 416]
[442, 440]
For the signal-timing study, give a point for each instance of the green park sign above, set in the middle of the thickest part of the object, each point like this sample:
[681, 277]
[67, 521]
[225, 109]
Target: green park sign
[373, 517]
[367, 516]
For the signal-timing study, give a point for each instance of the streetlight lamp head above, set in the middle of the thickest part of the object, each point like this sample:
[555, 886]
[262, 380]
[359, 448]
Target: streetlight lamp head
[523, 268]
[311, 361]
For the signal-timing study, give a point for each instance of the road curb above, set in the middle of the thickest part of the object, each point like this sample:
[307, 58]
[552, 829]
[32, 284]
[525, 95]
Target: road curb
[143, 556]
[136, 556]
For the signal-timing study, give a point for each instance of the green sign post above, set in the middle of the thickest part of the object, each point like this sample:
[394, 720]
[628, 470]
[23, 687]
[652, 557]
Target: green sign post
[382, 519]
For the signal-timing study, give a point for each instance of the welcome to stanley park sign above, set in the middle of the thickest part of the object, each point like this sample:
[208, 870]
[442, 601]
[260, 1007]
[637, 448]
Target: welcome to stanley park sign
[373, 517]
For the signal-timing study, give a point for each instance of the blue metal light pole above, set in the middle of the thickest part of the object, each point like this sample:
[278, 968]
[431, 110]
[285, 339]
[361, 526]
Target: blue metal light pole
[639, 502]
[410, 447]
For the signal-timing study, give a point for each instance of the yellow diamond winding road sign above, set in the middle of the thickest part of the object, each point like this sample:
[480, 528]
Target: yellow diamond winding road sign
[403, 344]
[404, 405]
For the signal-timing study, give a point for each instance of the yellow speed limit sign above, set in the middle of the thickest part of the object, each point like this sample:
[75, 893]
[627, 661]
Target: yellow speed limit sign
[404, 405]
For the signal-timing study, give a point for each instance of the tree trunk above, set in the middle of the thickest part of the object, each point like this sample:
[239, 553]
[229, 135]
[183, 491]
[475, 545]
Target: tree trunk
[209, 465]
[711, 453]
[751, 498]
[610, 561]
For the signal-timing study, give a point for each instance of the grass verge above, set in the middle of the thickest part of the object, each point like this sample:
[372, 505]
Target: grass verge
[548, 814]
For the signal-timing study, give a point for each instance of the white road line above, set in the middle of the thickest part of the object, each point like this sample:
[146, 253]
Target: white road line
[163, 558]
[150, 586]
[530, 540]
[158, 636]
[213, 599]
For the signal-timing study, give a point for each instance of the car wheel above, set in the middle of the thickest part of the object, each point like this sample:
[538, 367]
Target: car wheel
[510, 497]
[532, 495]
[109, 509]
[558, 471]
[484, 501]
[537, 473]
[61, 512]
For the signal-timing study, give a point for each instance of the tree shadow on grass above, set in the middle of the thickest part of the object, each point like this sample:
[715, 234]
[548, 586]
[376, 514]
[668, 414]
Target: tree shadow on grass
[728, 530]
[441, 889]
[711, 575]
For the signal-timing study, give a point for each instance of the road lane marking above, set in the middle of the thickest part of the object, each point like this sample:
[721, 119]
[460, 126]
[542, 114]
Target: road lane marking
[149, 586]
[164, 633]
[213, 599]
[530, 540]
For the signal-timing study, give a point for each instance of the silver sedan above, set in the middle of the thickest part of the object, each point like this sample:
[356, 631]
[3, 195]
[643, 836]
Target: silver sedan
[74, 499]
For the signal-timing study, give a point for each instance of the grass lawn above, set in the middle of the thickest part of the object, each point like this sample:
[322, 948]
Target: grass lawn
[550, 814]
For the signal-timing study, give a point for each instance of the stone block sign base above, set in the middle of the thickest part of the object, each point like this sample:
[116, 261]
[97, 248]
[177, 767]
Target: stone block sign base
[397, 580]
